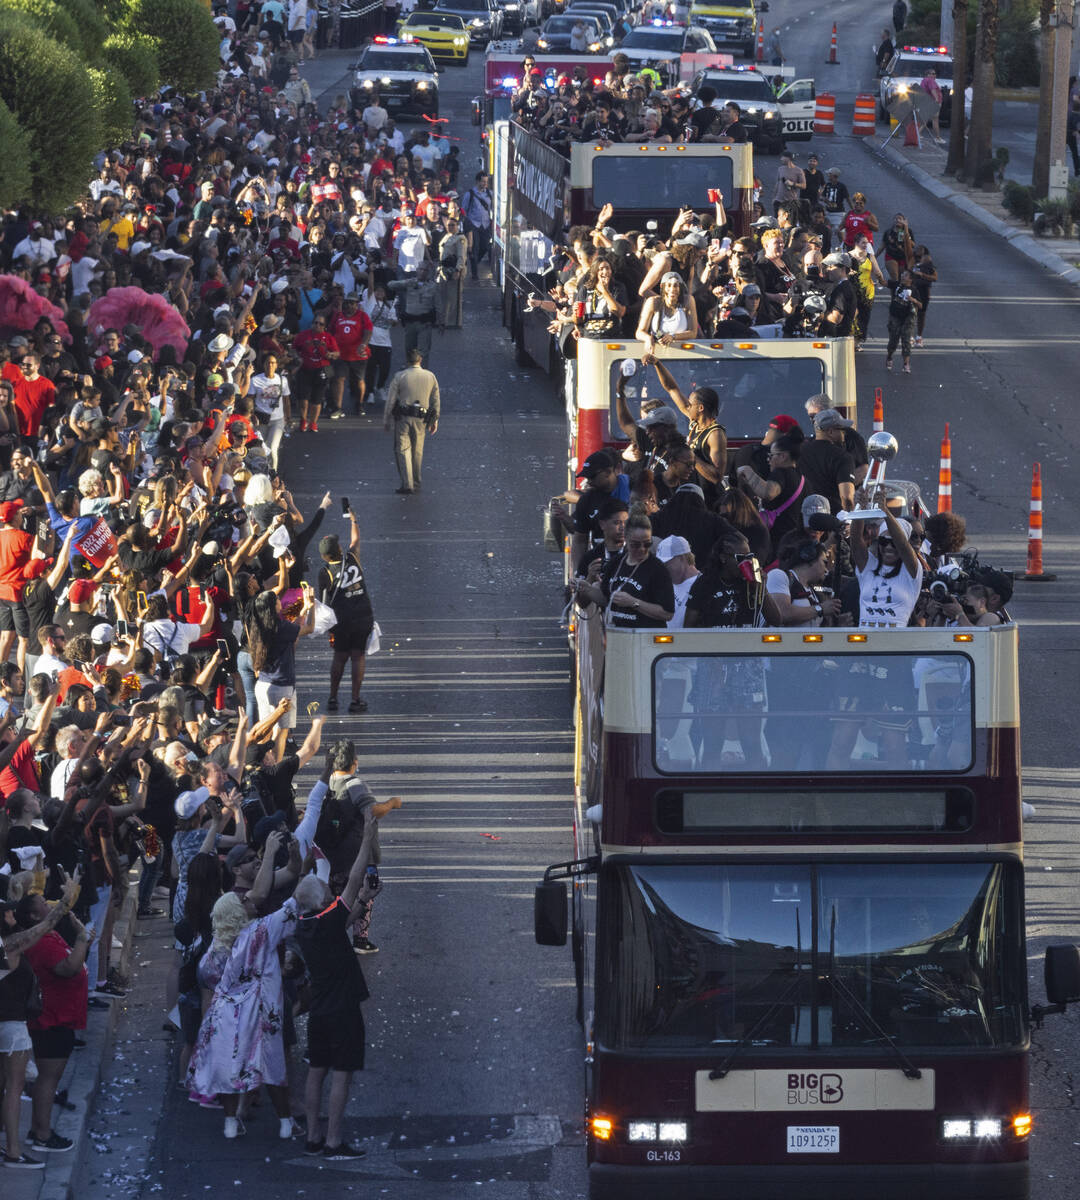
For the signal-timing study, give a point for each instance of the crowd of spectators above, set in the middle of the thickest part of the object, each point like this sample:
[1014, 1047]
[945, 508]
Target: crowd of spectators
[231, 275]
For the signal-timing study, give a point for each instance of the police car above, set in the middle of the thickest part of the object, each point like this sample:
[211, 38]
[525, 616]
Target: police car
[402, 74]
[663, 43]
[908, 66]
[770, 117]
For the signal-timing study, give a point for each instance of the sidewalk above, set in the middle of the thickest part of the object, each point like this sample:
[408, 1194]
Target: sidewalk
[926, 167]
[81, 1080]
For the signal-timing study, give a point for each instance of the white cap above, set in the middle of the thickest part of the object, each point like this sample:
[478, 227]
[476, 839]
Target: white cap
[188, 803]
[102, 634]
[135, 356]
[672, 547]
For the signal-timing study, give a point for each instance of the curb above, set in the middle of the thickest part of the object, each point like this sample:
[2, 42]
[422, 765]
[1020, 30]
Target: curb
[61, 1170]
[1028, 245]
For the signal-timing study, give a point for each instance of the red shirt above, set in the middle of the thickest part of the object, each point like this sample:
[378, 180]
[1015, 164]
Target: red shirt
[314, 349]
[855, 225]
[352, 334]
[15, 549]
[32, 398]
[20, 772]
[63, 998]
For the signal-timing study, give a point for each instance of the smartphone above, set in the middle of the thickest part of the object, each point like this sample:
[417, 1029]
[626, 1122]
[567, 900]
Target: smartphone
[121, 629]
[223, 648]
[141, 597]
[344, 504]
[372, 875]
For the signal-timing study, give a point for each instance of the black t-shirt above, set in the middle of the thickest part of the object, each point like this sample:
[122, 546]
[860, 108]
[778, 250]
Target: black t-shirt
[703, 120]
[842, 298]
[815, 181]
[901, 306]
[834, 195]
[585, 521]
[275, 786]
[825, 466]
[196, 704]
[855, 445]
[74, 623]
[341, 585]
[789, 479]
[921, 285]
[337, 983]
[648, 581]
[719, 602]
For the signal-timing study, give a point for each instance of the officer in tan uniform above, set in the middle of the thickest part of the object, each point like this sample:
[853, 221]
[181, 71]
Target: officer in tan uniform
[412, 408]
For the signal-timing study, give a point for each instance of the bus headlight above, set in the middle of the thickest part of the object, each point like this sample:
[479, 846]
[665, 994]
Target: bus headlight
[988, 1127]
[975, 1129]
[672, 1131]
[656, 1131]
[955, 1129]
[641, 1131]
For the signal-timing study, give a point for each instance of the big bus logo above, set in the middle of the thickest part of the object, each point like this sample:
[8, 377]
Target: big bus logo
[810, 1087]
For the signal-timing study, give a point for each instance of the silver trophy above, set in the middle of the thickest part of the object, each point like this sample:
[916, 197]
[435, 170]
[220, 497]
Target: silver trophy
[881, 448]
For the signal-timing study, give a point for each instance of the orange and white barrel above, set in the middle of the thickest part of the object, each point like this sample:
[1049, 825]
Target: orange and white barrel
[825, 114]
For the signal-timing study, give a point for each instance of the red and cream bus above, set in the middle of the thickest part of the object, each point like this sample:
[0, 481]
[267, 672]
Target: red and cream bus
[798, 914]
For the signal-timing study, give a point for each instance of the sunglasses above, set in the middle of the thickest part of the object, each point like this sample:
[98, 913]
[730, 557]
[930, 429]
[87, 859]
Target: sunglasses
[641, 545]
[885, 541]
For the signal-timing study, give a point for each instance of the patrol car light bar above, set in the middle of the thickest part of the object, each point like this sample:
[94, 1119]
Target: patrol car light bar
[926, 49]
[384, 41]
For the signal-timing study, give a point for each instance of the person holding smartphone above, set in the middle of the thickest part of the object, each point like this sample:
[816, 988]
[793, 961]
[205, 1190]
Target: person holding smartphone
[342, 586]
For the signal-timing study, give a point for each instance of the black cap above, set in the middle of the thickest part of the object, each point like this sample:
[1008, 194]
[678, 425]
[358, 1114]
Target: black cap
[598, 461]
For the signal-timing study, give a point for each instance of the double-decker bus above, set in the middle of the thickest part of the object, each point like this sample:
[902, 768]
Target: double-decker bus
[798, 914]
[540, 193]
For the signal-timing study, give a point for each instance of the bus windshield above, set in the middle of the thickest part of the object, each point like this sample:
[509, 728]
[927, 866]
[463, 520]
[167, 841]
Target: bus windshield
[838, 954]
[752, 390]
[850, 713]
[655, 183]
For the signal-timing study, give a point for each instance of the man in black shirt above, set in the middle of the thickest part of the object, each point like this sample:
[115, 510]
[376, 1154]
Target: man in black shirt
[341, 585]
[824, 463]
[612, 519]
[840, 301]
[732, 128]
[335, 1022]
[604, 482]
[813, 182]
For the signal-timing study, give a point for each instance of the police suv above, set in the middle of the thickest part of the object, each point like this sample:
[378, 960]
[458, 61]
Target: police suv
[908, 67]
[403, 75]
[770, 117]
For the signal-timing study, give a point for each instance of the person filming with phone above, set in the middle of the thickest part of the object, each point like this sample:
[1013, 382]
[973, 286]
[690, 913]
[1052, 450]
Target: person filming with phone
[341, 585]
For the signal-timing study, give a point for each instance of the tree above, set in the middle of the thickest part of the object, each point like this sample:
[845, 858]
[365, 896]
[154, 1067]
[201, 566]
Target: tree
[133, 55]
[978, 166]
[48, 90]
[1040, 169]
[15, 155]
[186, 37]
[113, 98]
[957, 118]
[48, 18]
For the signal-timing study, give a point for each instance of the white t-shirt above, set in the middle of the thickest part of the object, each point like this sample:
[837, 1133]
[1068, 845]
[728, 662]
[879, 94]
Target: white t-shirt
[381, 313]
[410, 245]
[266, 394]
[682, 594]
[58, 781]
[778, 583]
[428, 155]
[169, 638]
[887, 601]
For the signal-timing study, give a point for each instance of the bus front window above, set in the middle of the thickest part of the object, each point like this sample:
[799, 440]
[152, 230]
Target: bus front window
[709, 956]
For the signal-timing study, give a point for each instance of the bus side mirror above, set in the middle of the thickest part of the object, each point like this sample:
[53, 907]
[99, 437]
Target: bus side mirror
[550, 913]
[1062, 974]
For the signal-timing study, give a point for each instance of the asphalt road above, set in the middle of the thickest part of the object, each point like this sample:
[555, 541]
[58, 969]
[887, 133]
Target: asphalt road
[474, 1075]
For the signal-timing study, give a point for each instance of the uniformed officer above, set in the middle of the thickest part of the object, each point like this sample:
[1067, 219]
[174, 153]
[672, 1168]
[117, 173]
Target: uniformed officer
[412, 404]
[421, 301]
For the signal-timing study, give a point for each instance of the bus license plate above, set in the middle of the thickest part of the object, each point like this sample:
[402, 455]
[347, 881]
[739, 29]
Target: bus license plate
[813, 1139]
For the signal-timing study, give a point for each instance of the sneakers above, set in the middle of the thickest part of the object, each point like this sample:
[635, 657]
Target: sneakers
[234, 1128]
[365, 946]
[54, 1142]
[403, 491]
[108, 990]
[918, 340]
[303, 426]
[332, 704]
[888, 364]
[315, 1147]
[314, 427]
[343, 1153]
[907, 368]
[336, 415]
[287, 1128]
[24, 1162]
[145, 914]
[357, 706]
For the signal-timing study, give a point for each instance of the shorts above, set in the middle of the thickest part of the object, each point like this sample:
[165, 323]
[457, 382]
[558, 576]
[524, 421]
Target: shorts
[349, 369]
[268, 694]
[56, 1042]
[336, 1043]
[346, 639]
[14, 1037]
[296, 36]
[13, 616]
[310, 385]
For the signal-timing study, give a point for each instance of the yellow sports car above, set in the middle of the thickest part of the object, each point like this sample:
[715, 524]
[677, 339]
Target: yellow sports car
[444, 34]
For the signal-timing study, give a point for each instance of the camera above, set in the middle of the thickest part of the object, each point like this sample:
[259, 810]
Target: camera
[947, 581]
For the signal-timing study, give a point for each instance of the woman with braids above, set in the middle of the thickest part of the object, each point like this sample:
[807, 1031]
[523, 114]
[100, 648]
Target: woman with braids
[272, 644]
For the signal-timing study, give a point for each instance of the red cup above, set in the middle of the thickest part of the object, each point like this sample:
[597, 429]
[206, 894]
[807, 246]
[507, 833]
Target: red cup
[579, 311]
[714, 195]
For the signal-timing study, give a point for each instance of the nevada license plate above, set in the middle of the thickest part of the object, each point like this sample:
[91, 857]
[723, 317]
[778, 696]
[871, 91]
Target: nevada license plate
[813, 1139]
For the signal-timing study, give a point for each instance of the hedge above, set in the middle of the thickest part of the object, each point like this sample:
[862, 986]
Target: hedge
[15, 155]
[48, 89]
[187, 40]
[134, 55]
[113, 98]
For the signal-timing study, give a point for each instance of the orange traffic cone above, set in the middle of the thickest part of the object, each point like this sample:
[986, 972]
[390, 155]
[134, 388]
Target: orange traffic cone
[1035, 571]
[761, 43]
[911, 136]
[944, 484]
[879, 411]
[832, 47]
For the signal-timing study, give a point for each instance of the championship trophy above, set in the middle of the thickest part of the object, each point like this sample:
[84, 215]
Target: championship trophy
[881, 448]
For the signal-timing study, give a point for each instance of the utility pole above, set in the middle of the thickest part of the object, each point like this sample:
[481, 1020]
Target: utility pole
[955, 163]
[946, 36]
[1059, 100]
[1040, 169]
